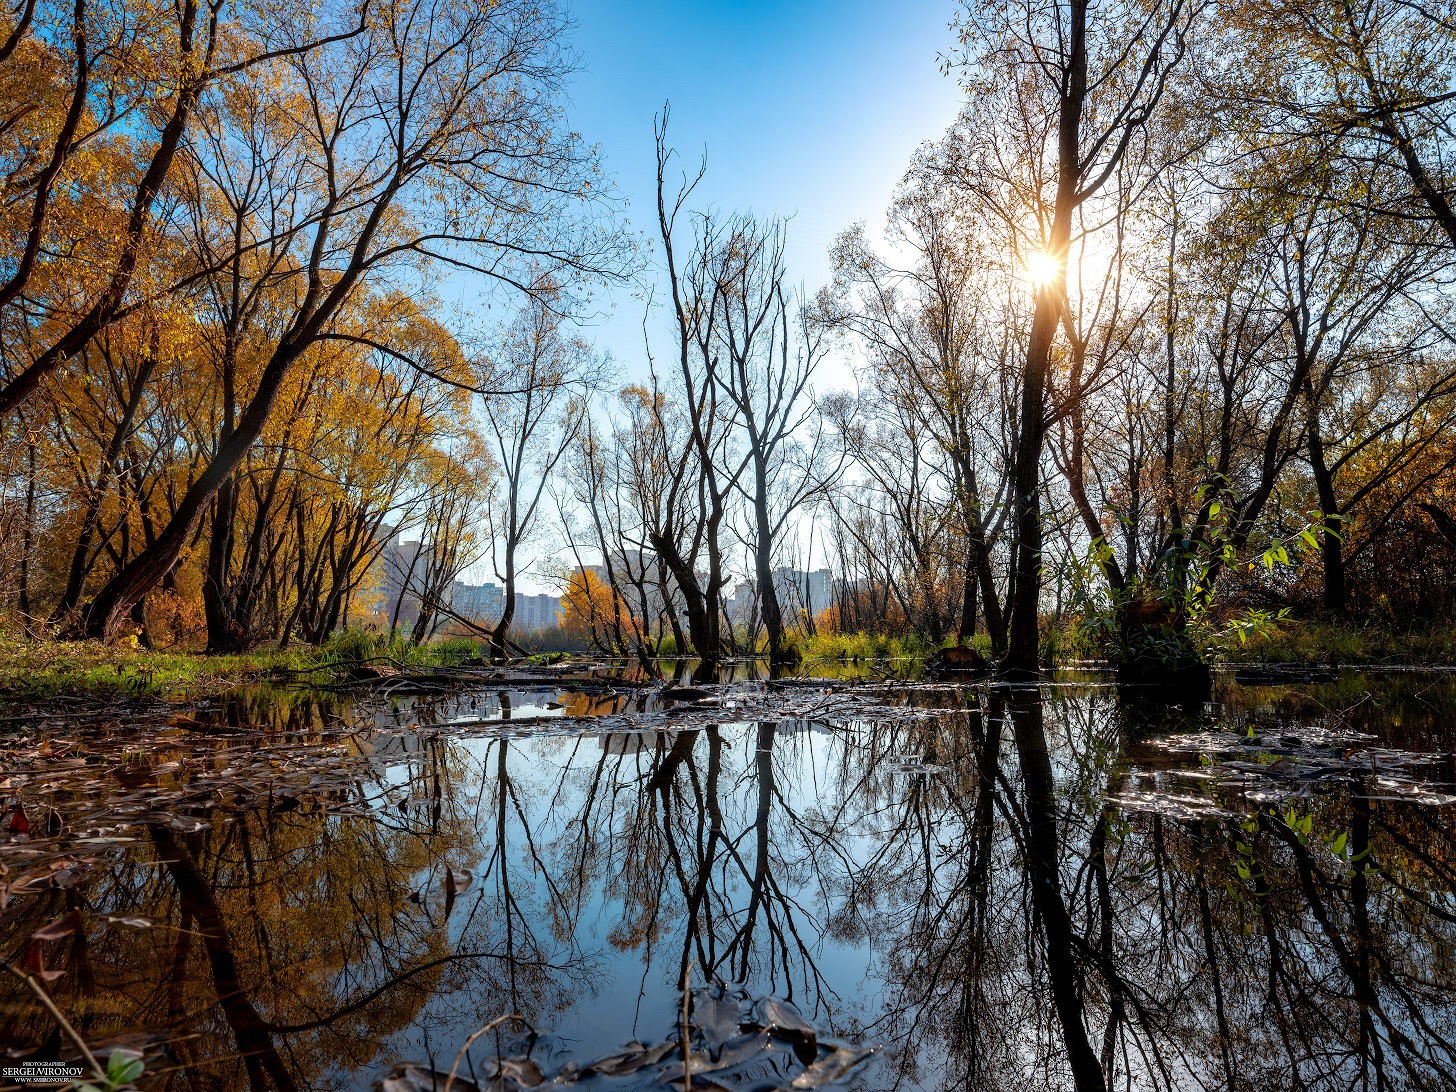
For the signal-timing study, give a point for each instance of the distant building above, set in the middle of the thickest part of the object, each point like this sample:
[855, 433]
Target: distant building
[743, 604]
[536, 612]
[401, 562]
[802, 593]
[481, 603]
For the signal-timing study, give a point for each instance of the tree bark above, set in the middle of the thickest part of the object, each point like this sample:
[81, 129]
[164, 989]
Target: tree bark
[1024, 638]
[1331, 540]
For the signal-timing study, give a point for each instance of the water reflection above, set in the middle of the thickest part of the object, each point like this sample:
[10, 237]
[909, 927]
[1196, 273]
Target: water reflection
[1004, 888]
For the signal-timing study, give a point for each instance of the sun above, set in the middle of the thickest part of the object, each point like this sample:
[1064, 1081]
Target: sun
[1041, 268]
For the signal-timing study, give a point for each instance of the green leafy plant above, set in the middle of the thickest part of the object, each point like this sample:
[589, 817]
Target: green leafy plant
[122, 1069]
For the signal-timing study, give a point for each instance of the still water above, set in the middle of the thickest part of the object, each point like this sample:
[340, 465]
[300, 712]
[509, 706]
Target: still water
[879, 886]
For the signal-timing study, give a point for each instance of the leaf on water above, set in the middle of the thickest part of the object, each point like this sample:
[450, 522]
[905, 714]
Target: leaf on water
[516, 1072]
[832, 1068]
[735, 1052]
[133, 923]
[716, 1016]
[781, 1016]
[630, 1060]
[124, 1066]
[61, 927]
[419, 1078]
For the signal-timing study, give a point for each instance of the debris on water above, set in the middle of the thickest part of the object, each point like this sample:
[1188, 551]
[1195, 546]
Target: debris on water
[915, 766]
[1285, 675]
[1268, 767]
[734, 1040]
[1170, 805]
[686, 693]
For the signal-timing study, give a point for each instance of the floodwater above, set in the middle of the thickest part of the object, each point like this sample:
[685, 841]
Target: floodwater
[826, 884]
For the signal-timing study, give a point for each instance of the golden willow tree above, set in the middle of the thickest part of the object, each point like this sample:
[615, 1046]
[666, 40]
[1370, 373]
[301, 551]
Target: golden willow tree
[216, 216]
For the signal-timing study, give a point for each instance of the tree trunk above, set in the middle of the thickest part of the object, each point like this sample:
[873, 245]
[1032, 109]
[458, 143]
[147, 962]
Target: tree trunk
[1331, 545]
[27, 542]
[1043, 868]
[143, 572]
[508, 611]
[779, 650]
[81, 559]
[966, 629]
[1024, 638]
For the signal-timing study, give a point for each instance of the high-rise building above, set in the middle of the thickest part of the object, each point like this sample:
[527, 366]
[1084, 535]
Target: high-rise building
[480, 603]
[536, 612]
[802, 593]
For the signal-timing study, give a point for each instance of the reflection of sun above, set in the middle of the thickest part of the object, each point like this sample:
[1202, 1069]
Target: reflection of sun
[1041, 268]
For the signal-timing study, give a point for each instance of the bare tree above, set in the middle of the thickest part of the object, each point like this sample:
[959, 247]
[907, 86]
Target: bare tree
[764, 359]
[549, 376]
[1063, 91]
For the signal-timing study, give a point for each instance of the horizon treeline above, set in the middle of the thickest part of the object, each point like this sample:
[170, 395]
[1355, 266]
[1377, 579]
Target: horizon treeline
[1160, 330]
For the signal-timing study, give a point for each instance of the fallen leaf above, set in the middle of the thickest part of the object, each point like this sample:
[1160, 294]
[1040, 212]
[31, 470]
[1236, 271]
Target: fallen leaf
[61, 927]
[418, 1078]
[134, 923]
[832, 1068]
[630, 1060]
[716, 1017]
[521, 1072]
[784, 1022]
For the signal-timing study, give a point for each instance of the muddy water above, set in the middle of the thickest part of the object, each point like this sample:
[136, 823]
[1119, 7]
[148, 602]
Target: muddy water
[874, 885]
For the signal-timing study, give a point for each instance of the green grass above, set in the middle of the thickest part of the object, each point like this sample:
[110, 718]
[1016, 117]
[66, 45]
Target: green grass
[1321, 642]
[1290, 641]
[41, 668]
[854, 647]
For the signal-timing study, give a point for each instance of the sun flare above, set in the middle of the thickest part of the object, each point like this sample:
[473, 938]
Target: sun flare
[1041, 269]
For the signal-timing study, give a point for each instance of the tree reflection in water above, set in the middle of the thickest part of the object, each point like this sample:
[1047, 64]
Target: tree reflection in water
[976, 886]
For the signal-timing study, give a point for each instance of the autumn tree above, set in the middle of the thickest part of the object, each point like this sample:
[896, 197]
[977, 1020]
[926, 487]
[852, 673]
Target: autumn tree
[433, 137]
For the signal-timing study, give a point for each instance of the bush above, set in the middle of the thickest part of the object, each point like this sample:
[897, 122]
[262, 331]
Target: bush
[861, 646]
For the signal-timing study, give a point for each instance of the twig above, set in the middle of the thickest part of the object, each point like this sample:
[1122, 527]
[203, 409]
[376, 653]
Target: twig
[686, 1042]
[50, 1006]
[497, 1022]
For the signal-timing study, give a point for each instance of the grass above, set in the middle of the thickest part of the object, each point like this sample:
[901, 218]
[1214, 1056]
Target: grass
[1293, 641]
[1322, 642]
[852, 647]
[38, 668]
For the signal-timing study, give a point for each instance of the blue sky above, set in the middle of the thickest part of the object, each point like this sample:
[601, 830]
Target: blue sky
[810, 110]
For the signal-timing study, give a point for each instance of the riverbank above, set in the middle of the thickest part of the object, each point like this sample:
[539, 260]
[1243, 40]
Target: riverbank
[41, 668]
[1346, 644]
